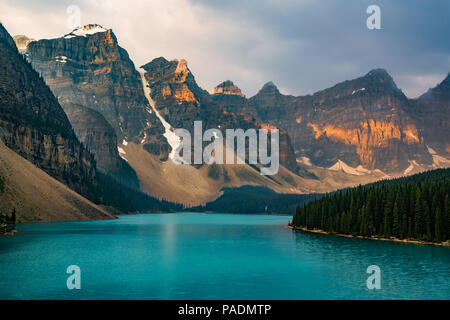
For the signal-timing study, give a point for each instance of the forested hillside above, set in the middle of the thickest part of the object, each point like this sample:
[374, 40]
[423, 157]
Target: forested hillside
[255, 199]
[415, 207]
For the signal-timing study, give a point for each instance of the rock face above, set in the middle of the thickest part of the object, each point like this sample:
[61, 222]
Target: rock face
[364, 122]
[100, 139]
[87, 67]
[33, 124]
[431, 114]
[181, 101]
[96, 134]
[227, 88]
[36, 196]
[22, 42]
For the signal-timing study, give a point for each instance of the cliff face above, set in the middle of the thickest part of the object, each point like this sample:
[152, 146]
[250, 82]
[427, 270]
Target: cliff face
[36, 196]
[33, 124]
[87, 67]
[100, 139]
[227, 88]
[366, 121]
[181, 101]
[431, 114]
[22, 42]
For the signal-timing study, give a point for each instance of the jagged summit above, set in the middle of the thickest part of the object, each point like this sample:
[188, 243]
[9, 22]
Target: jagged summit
[380, 76]
[86, 30]
[4, 35]
[380, 72]
[22, 42]
[269, 87]
[269, 84]
[227, 87]
[445, 84]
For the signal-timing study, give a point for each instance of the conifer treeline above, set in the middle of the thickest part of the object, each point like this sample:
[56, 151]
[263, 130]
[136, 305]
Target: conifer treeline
[415, 207]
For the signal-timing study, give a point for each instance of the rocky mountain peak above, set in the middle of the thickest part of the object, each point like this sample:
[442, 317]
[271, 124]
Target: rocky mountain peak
[22, 42]
[444, 86]
[179, 83]
[5, 36]
[86, 30]
[380, 77]
[227, 87]
[182, 71]
[269, 88]
[88, 67]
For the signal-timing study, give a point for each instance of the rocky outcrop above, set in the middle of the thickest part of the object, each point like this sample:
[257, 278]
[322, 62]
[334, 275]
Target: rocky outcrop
[231, 98]
[100, 139]
[227, 88]
[33, 124]
[22, 42]
[431, 114]
[96, 134]
[33, 195]
[87, 67]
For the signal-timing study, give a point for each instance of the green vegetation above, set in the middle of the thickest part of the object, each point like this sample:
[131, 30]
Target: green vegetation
[4, 219]
[126, 199]
[252, 199]
[415, 207]
[2, 184]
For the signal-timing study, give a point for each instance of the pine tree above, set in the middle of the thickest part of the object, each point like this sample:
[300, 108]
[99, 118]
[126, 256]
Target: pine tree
[396, 221]
[13, 216]
[438, 226]
[418, 218]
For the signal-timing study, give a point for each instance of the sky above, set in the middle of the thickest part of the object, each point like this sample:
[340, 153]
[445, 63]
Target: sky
[301, 45]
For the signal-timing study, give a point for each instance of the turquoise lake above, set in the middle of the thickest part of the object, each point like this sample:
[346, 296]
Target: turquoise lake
[211, 256]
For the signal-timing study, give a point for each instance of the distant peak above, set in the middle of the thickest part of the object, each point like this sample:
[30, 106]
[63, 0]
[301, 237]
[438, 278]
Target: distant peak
[446, 81]
[380, 77]
[378, 73]
[269, 87]
[443, 88]
[227, 87]
[182, 66]
[86, 30]
[22, 42]
[269, 84]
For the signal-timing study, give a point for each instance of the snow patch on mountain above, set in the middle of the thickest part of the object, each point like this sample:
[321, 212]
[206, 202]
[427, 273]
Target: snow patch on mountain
[62, 59]
[173, 140]
[122, 153]
[86, 30]
[357, 90]
[305, 160]
[342, 166]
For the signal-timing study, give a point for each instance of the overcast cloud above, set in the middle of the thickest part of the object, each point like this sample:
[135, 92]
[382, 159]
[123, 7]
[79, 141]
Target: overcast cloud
[301, 45]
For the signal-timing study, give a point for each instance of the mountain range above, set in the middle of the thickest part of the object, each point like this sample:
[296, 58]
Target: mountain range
[46, 172]
[97, 114]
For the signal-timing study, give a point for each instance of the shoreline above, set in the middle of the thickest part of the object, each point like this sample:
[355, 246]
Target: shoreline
[7, 230]
[417, 242]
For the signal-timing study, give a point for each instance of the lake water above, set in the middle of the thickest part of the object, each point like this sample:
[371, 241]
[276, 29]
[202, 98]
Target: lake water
[211, 256]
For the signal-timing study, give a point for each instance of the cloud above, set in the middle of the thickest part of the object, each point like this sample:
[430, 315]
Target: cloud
[303, 46]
